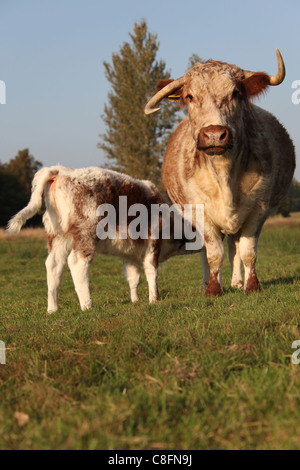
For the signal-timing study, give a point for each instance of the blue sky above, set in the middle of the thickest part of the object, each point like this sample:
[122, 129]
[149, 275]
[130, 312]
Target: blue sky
[52, 53]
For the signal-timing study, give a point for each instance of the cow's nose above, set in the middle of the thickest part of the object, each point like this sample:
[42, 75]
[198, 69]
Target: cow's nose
[213, 136]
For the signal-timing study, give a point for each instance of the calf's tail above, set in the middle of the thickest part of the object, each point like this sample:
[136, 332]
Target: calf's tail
[40, 179]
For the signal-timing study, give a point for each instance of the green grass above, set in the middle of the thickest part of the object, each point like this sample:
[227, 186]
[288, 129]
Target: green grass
[186, 373]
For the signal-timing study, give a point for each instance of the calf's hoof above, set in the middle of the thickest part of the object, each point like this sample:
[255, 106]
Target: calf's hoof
[51, 311]
[153, 298]
[87, 305]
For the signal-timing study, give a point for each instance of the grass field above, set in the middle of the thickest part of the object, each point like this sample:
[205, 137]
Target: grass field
[186, 373]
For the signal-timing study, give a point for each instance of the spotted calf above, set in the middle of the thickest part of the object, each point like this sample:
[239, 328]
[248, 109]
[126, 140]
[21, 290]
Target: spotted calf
[72, 197]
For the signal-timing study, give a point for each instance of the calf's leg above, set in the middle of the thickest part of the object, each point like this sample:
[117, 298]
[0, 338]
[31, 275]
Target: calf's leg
[55, 264]
[132, 273]
[150, 264]
[79, 266]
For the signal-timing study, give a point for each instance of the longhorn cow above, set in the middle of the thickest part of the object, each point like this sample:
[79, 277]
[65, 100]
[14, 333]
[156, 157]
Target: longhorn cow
[230, 155]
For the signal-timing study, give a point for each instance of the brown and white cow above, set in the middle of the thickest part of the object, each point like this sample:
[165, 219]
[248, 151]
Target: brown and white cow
[73, 198]
[230, 155]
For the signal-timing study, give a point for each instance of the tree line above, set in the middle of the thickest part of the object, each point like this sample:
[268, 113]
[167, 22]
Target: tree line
[15, 185]
[132, 143]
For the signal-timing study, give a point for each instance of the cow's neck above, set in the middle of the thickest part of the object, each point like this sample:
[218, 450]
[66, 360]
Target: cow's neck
[221, 170]
[221, 190]
[226, 171]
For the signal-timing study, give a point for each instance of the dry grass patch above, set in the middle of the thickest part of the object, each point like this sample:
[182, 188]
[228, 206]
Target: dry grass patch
[279, 220]
[29, 233]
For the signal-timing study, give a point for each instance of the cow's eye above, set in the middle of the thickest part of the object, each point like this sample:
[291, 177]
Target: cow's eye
[189, 98]
[236, 92]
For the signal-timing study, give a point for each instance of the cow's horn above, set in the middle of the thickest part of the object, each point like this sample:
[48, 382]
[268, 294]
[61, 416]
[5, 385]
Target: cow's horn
[161, 94]
[277, 79]
[273, 79]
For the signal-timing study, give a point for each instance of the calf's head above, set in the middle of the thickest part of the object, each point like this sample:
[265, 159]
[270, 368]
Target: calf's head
[217, 95]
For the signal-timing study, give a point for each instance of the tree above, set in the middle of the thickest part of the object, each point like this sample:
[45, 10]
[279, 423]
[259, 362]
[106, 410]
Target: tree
[15, 185]
[135, 143]
[291, 202]
[193, 60]
[285, 207]
[294, 195]
[23, 168]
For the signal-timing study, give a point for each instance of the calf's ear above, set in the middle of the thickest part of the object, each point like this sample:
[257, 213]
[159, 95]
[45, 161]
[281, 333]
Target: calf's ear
[256, 84]
[175, 95]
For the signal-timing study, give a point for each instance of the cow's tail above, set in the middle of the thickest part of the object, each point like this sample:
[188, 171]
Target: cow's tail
[40, 179]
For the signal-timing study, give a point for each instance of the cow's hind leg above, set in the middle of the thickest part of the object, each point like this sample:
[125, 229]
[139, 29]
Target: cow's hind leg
[235, 261]
[205, 269]
[55, 263]
[132, 273]
[79, 265]
[248, 250]
[215, 256]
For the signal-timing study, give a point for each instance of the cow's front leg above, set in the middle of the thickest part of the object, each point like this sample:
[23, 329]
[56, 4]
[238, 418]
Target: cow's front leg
[215, 257]
[248, 251]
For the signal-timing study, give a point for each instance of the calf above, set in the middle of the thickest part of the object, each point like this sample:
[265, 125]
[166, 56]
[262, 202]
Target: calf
[73, 199]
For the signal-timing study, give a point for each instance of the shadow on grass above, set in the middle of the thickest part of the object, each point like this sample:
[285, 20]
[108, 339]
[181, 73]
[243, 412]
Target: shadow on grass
[279, 280]
[267, 284]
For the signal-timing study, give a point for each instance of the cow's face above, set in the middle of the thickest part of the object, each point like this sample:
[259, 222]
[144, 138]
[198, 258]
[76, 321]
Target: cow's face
[217, 95]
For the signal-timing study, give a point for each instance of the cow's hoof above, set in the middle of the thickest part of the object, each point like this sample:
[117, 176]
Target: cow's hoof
[237, 285]
[214, 287]
[252, 284]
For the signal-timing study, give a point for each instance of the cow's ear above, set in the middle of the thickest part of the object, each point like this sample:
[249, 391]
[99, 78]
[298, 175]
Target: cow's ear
[256, 84]
[175, 95]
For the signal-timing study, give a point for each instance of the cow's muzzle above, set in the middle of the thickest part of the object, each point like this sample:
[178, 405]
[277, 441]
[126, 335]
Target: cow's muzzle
[214, 140]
